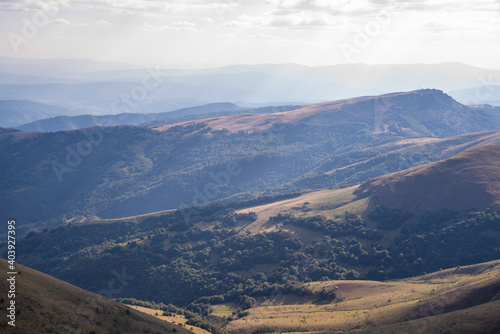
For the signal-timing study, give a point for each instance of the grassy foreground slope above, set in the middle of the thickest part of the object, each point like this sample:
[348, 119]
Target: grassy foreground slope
[47, 305]
[458, 300]
[478, 319]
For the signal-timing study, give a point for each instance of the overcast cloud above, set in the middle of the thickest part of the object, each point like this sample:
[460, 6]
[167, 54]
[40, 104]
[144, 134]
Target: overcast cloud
[201, 33]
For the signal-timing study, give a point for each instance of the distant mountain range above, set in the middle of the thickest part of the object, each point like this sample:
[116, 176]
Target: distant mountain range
[39, 71]
[489, 93]
[71, 176]
[62, 123]
[14, 113]
[94, 86]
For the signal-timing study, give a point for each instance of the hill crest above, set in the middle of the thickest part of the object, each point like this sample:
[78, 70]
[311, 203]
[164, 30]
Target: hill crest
[466, 180]
[389, 113]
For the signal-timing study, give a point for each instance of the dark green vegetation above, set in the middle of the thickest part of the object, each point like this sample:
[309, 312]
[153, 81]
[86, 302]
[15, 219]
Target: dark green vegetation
[199, 257]
[207, 262]
[53, 178]
[47, 305]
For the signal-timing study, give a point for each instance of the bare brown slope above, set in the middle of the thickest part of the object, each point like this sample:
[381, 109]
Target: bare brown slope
[467, 180]
[48, 305]
[481, 319]
[256, 122]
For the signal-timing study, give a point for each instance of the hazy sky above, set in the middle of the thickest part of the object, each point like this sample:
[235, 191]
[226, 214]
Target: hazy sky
[219, 32]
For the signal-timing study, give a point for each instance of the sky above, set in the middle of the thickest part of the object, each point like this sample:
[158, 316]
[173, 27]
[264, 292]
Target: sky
[208, 33]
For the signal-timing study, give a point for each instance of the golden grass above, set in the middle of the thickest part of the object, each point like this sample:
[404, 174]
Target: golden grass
[256, 122]
[365, 304]
[175, 319]
[330, 203]
[223, 310]
[477, 319]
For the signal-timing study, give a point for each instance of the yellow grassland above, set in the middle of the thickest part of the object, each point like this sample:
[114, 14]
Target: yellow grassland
[363, 305]
[175, 319]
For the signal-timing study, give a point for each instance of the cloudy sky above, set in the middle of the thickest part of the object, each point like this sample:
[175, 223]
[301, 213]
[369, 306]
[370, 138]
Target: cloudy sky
[200, 33]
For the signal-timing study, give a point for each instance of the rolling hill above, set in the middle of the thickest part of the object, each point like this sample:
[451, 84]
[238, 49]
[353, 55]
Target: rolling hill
[47, 305]
[463, 182]
[134, 170]
[467, 180]
[217, 254]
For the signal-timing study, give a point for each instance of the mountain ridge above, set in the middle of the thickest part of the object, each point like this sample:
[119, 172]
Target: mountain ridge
[64, 123]
[387, 113]
[133, 170]
[17, 112]
[242, 84]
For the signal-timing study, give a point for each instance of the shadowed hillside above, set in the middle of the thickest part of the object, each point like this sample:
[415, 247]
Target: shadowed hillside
[47, 305]
[467, 180]
[14, 113]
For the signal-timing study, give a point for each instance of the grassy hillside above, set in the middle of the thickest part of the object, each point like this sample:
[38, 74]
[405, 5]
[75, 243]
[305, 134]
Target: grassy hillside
[473, 176]
[47, 305]
[458, 300]
[172, 318]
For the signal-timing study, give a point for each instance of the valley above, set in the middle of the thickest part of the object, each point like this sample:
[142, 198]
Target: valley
[235, 254]
[352, 215]
[249, 167]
